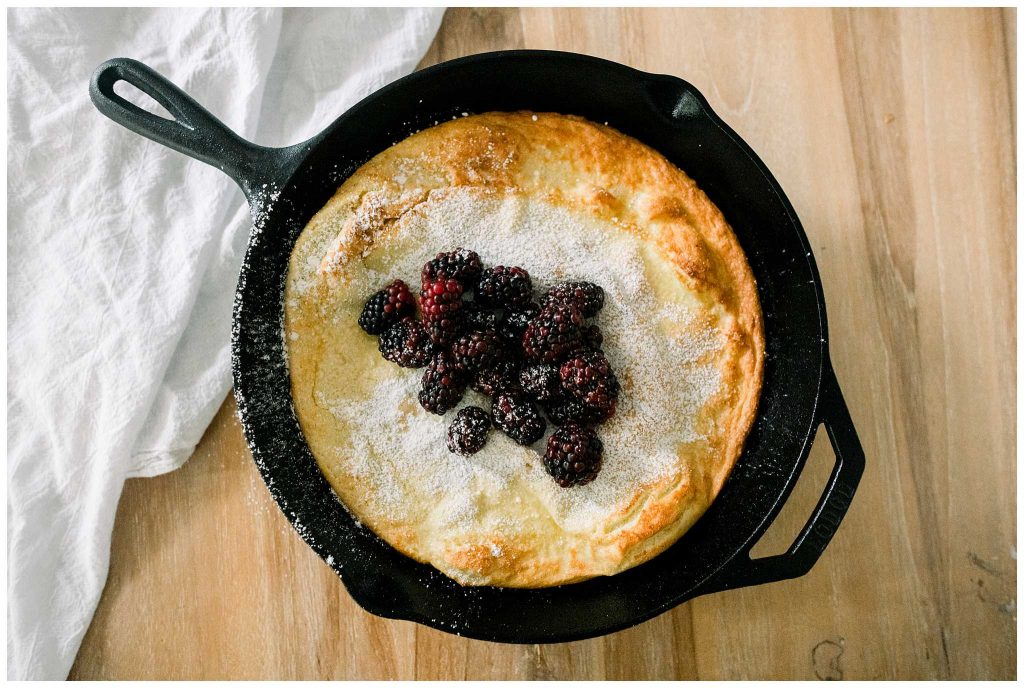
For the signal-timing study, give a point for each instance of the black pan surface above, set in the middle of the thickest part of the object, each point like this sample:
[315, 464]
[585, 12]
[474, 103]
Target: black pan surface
[285, 187]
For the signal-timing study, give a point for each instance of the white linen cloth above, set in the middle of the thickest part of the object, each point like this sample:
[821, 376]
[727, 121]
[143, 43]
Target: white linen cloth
[122, 261]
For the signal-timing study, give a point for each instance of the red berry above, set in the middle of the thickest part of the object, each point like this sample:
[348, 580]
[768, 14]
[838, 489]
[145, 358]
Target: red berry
[441, 304]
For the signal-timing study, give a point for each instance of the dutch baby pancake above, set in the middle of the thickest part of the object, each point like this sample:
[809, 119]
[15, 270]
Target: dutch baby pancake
[581, 211]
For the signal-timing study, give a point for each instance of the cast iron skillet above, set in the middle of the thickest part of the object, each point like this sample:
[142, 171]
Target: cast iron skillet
[286, 186]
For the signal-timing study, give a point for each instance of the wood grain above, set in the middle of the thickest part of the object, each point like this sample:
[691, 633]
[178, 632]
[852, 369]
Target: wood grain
[893, 132]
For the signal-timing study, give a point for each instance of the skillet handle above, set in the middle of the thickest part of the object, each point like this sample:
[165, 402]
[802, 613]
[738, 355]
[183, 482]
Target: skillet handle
[193, 131]
[829, 512]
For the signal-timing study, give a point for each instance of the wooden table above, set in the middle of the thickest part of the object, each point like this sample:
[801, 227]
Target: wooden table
[893, 132]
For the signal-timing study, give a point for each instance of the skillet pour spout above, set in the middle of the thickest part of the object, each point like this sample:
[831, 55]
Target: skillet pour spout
[286, 186]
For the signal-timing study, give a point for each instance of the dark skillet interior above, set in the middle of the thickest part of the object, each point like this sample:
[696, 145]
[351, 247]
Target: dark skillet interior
[673, 118]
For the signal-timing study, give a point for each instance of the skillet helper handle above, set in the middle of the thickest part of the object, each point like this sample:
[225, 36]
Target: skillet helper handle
[828, 514]
[193, 131]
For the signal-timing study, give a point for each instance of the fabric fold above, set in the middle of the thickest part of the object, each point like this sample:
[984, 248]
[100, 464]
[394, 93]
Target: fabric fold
[122, 262]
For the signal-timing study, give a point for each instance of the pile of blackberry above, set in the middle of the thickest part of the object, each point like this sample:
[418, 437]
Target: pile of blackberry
[538, 359]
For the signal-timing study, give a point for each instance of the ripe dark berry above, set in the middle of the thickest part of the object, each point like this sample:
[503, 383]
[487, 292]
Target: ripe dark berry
[461, 265]
[468, 432]
[386, 307]
[503, 287]
[443, 332]
[443, 384]
[503, 377]
[555, 332]
[407, 344]
[573, 456]
[441, 306]
[588, 377]
[478, 350]
[592, 337]
[507, 346]
[518, 417]
[586, 296]
[479, 318]
[540, 381]
[514, 324]
[561, 411]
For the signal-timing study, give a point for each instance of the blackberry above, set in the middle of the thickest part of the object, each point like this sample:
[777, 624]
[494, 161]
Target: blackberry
[407, 344]
[468, 432]
[586, 296]
[503, 377]
[588, 377]
[443, 384]
[562, 411]
[556, 331]
[478, 350]
[503, 287]
[386, 307]
[461, 265]
[444, 332]
[518, 417]
[514, 323]
[573, 456]
[592, 337]
[479, 318]
[540, 381]
[441, 306]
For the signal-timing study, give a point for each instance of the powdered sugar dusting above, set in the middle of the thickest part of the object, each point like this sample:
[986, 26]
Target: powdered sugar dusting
[356, 237]
[657, 350]
[261, 203]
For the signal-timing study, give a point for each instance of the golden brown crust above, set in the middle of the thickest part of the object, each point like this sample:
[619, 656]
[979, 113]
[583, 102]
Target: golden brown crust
[570, 163]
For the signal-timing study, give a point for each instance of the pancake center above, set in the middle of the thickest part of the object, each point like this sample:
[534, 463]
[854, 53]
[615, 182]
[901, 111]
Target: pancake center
[655, 336]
